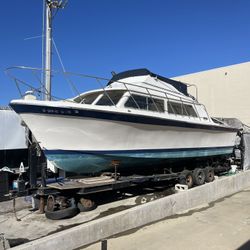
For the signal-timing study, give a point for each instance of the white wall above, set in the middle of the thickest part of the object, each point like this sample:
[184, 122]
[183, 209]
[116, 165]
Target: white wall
[12, 134]
[224, 91]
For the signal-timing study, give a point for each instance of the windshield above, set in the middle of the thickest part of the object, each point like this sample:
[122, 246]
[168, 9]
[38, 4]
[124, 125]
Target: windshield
[87, 99]
[110, 98]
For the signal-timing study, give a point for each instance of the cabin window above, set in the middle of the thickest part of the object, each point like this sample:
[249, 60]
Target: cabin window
[110, 98]
[156, 105]
[175, 108]
[181, 109]
[190, 110]
[88, 99]
[136, 102]
[146, 103]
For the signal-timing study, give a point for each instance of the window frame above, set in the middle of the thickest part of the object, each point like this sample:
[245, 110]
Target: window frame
[107, 94]
[154, 101]
[184, 110]
[97, 97]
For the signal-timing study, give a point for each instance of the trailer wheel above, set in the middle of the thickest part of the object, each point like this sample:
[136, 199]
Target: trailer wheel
[209, 174]
[186, 178]
[199, 176]
[62, 213]
[85, 205]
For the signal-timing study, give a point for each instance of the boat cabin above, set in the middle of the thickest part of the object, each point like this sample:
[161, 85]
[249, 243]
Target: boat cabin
[145, 91]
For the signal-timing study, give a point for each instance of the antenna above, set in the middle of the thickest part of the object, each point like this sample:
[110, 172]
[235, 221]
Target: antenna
[51, 6]
[57, 4]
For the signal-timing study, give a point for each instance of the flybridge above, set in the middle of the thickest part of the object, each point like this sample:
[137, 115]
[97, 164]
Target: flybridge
[144, 72]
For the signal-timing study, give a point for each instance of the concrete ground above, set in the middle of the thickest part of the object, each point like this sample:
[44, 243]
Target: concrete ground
[36, 225]
[222, 225]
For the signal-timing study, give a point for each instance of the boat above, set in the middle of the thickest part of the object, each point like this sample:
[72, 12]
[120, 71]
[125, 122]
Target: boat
[140, 120]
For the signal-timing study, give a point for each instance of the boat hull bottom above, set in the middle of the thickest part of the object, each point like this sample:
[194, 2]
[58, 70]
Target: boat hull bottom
[130, 161]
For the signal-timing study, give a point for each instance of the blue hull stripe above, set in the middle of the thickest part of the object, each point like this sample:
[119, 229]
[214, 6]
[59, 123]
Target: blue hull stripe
[115, 116]
[97, 161]
[140, 151]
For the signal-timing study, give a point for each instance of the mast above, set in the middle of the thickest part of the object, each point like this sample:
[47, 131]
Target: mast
[50, 6]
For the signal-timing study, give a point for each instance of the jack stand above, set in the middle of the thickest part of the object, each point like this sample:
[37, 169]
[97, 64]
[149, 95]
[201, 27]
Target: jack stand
[13, 195]
[42, 201]
[115, 164]
[4, 244]
[41, 205]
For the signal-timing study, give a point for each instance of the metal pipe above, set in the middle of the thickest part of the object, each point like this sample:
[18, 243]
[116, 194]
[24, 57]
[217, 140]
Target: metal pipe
[104, 245]
[48, 43]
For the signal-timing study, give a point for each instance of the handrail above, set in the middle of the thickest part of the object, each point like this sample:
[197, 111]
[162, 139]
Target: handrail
[148, 89]
[106, 92]
[152, 100]
[196, 89]
[7, 71]
[160, 91]
[168, 90]
[158, 96]
[132, 97]
[181, 100]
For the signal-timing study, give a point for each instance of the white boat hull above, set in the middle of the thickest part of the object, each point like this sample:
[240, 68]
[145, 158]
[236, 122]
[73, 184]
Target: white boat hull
[88, 143]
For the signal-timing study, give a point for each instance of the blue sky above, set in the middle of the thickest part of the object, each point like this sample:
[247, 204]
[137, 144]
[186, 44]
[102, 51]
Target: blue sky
[169, 37]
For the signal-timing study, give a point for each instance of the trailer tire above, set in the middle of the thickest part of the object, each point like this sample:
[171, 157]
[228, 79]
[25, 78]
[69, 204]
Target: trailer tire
[199, 176]
[186, 178]
[85, 205]
[62, 213]
[209, 174]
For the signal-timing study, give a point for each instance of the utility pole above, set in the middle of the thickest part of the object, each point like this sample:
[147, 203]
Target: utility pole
[50, 6]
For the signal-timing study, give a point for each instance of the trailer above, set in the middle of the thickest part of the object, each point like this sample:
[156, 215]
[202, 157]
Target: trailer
[67, 197]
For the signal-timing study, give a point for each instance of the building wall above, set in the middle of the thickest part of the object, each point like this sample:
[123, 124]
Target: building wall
[224, 91]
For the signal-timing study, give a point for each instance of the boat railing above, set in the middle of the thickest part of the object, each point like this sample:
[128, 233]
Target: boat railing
[166, 96]
[166, 92]
[153, 88]
[172, 93]
[153, 91]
